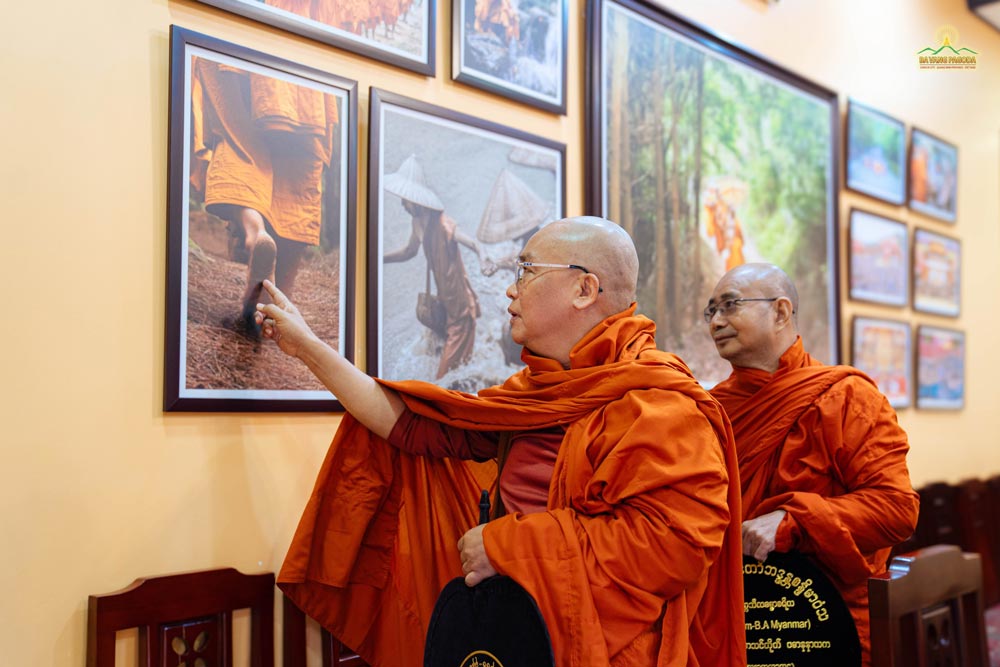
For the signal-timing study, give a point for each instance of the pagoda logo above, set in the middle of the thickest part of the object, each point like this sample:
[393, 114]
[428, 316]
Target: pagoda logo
[947, 56]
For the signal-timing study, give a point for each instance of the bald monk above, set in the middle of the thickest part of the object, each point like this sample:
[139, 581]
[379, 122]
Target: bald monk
[621, 512]
[822, 459]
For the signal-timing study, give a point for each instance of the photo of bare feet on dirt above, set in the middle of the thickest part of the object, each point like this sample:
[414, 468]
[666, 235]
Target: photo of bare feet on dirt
[265, 174]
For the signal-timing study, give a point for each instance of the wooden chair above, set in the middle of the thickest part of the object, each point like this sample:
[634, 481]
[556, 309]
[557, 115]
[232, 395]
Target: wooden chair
[927, 610]
[980, 532]
[938, 522]
[184, 619]
[334, 654]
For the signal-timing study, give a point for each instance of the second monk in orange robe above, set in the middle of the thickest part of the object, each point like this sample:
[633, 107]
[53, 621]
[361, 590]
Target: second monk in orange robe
[822, 458]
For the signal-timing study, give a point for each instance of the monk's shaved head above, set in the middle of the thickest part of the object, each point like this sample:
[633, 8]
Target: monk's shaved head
[769, 278]
[601, 246]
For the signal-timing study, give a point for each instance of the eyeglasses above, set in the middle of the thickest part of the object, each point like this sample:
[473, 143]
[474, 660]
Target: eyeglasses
[521, 266]
[727, 306]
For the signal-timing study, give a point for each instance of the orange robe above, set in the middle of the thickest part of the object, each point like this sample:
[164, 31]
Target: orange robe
[445, 260]
[636, 561]
[262, 143]
[822, 443]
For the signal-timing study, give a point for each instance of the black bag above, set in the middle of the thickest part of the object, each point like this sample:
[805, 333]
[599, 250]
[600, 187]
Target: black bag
[494, 623]
[431, 311]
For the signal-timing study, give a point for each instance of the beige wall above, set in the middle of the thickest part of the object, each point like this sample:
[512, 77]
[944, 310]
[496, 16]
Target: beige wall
[99, 486]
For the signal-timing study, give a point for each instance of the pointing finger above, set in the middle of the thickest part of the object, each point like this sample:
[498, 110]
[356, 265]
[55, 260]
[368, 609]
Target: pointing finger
[277, 296]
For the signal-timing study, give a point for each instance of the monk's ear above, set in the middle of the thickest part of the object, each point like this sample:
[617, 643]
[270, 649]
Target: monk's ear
[784, 313]
[588, 287]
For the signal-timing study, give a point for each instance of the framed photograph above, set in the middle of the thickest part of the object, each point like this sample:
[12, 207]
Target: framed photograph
[452, 200]
[883, 349]
[514, 49]
[398, 33]
[940, 368]
[879, 259]
[710, 156]
[261, 184]
[933, 176]
[876, 154]
[937, 273]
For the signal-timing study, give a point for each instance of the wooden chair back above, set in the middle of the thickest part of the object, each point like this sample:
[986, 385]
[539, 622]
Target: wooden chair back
[184, 619]
[927, 610]
[980, 532]
[938, 522]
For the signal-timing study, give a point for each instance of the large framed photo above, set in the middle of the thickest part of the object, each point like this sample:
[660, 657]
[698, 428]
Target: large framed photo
[933, 176]
[710, 156]
[883, 349]
[940, 368]
[398, 33]
[517, 49]
[262, 183]
[452, 200]
[937, 273]
[876, 154]
[879, 259]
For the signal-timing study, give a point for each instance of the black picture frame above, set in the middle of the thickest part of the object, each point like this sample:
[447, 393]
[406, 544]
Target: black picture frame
[878, 259]
[645, 63]
[329, 28]
[875, 154]
[482, 174]
[883, 349]
[933, 181]
[940, 368]
[530, 67]
[937, 273]
[214, 358]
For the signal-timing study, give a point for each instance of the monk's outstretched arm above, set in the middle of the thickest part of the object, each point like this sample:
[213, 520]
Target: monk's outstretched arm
[374, 405]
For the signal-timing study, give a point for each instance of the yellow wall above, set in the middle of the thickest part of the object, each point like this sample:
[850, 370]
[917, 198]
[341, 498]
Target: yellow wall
[99, 486]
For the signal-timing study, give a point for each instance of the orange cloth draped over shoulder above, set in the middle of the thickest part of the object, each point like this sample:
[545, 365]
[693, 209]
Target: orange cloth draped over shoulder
[636, 561]
[263, 143]
[823, 444]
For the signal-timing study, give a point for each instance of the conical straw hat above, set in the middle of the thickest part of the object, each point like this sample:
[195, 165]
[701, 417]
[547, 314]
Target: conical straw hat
[512, 210]
[531, 158]
[408, 183]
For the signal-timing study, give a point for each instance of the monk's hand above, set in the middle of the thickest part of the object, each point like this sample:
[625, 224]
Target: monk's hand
[759, 533]
[475, 564]
[282, 322]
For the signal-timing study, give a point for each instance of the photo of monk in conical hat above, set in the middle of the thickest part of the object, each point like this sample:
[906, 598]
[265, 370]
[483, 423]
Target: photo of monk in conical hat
[448, 184]
[439, 237]
[513, 214]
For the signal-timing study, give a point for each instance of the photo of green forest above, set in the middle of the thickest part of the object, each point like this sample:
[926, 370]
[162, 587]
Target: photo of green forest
[710, 163]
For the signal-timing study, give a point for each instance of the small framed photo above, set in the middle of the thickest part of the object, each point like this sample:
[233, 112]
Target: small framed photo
[883, 350]
[879, 259]
[517, 50]
[452, 200]
[398, 33]
[876, 154]
[933, 176]
[261, 184]
[940, 368]
[937, 273]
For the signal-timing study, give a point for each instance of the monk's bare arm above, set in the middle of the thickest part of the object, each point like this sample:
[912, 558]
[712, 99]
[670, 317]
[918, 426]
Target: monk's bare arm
[372, 404]
[409, 251]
